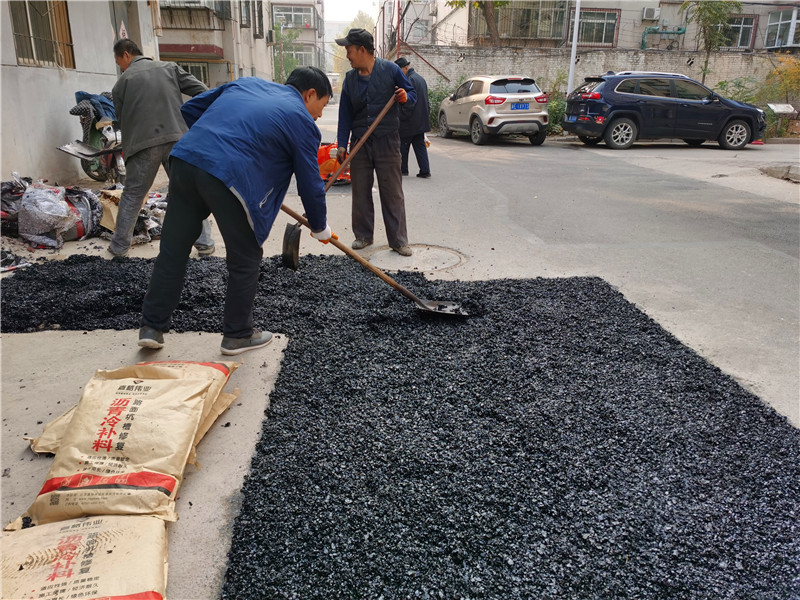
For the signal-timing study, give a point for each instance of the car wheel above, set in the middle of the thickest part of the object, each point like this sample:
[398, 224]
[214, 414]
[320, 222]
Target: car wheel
[443, 130]
[476, 132]
[694, 142]
[620, 134]
[735, 135]
[538, 138]
[590, 141]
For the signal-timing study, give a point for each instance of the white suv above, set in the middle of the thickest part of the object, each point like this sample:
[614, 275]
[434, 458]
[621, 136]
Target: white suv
[496, 105]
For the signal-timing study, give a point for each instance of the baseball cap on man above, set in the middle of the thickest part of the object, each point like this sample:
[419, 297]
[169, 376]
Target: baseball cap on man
[357, 37]
[402, 62]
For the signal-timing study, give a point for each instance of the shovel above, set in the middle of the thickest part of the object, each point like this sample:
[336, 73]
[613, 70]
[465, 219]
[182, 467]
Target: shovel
[291, 236]
[442, 307]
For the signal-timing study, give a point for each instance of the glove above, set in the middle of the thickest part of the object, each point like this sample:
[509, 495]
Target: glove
[341, 154]
[400, 95]
[325, 235]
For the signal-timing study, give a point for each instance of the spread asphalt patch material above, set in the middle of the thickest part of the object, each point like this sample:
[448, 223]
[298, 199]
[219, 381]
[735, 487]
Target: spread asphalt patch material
[556, 444]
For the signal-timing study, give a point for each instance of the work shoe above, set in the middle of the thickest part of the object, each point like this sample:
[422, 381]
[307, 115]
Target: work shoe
[359, 244]
[424, 175]
[113, 252]
[231, 346]
[403, 250]
[151, 338]
[206, 250]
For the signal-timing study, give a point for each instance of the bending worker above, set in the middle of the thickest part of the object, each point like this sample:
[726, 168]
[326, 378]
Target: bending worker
[246, 138]
[365, 91]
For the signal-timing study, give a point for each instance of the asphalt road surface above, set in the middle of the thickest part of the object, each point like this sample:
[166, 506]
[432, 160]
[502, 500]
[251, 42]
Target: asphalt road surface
[698, 238]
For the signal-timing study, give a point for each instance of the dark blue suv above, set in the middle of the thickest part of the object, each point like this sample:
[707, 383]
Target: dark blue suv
[620, 108]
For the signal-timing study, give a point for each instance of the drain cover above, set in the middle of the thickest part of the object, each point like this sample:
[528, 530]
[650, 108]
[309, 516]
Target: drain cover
[425, 258]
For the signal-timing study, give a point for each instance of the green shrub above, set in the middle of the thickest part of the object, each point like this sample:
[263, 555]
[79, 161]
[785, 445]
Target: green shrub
[555, 114]
[438, 93]
[741, 89]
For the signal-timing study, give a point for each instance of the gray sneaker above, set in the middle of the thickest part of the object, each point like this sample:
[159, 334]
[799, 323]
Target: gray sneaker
[403, 250]
[231, 346]
[359, 244]
[206, 250]
[151, 338]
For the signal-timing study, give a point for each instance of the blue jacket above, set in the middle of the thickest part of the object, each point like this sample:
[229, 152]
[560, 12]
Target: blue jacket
[361, 101]
[252, 134]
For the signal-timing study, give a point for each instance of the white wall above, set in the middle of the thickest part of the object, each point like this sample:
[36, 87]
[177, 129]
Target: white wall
[35, 101]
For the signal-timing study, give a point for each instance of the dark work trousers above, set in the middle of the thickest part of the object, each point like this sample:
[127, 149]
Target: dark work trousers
[420, 151]
[379, 156]
[193, 195]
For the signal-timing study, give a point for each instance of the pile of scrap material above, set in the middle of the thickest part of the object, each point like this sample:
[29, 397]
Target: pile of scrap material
[120, 455]
[46, 216]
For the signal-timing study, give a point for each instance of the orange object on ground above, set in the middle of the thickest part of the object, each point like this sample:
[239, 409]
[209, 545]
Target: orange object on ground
[326, 158]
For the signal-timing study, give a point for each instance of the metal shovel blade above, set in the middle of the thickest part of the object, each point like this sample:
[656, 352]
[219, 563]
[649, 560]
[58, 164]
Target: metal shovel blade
[442, 307]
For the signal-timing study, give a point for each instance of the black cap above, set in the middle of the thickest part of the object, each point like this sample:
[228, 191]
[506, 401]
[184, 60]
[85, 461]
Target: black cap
[402, 62]
[358, 37]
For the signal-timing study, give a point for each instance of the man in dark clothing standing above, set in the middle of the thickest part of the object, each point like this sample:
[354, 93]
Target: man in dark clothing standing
[148, 98]
[365, 91]
[415, 122]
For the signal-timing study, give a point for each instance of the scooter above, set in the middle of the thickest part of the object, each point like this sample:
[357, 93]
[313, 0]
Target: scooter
[101, 150]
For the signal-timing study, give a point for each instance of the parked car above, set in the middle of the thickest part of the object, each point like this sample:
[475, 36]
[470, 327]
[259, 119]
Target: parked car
[620, 108]
[486, 106]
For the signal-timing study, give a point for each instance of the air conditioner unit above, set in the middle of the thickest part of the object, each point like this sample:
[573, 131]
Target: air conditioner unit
[651, 13]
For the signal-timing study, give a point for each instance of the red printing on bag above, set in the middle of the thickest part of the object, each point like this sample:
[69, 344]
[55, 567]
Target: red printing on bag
[141, 480]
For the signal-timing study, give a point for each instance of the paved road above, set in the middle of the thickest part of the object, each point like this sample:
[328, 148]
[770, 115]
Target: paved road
[698, 238]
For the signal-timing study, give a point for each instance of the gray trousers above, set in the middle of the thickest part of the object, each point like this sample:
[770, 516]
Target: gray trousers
[379, 157]
[141, 170]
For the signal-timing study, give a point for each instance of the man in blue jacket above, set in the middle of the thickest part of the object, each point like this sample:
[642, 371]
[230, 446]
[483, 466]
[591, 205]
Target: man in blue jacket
[365, 91]
[245, 140]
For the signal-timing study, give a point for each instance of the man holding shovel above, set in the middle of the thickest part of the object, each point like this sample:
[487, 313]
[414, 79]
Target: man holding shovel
[246, 138]
[366, 89]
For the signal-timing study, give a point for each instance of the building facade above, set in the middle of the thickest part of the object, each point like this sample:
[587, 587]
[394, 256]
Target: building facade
[770, 25]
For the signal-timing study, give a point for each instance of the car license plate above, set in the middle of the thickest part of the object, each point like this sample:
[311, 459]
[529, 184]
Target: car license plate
[572, 118]
[520, 106]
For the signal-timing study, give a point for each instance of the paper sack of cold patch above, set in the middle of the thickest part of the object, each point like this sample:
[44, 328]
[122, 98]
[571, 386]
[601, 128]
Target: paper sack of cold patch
[94, 557]
[126, 446]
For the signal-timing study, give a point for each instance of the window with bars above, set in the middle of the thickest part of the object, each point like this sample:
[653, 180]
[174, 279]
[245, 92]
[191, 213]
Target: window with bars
[596, 27]
[533, 19]
[419, 30]
[294, 16]
[199, 70]
[258, 20]
[740, 32]
[245, 18]
[782, 29]
[42, 35]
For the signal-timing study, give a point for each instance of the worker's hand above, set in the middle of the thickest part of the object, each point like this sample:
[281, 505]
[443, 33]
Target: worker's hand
[341, 154]
[400, 95]
[325, 235]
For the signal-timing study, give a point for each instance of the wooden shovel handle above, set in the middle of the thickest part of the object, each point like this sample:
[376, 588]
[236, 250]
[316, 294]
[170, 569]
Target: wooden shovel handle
[359, 143]
[359, 259]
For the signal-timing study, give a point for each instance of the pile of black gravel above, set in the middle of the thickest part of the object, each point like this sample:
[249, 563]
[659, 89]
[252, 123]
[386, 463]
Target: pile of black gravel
[558, 444]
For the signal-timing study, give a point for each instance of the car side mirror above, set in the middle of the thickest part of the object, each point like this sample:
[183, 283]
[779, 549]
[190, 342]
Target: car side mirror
[453, 97]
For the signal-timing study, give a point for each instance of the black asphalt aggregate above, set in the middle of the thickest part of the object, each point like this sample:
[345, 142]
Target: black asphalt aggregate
[557, 443]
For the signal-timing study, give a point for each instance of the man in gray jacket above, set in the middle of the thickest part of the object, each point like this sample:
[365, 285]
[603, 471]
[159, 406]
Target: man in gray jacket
[147, 98]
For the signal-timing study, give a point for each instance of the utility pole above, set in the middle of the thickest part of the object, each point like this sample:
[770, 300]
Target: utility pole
[574, 51]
